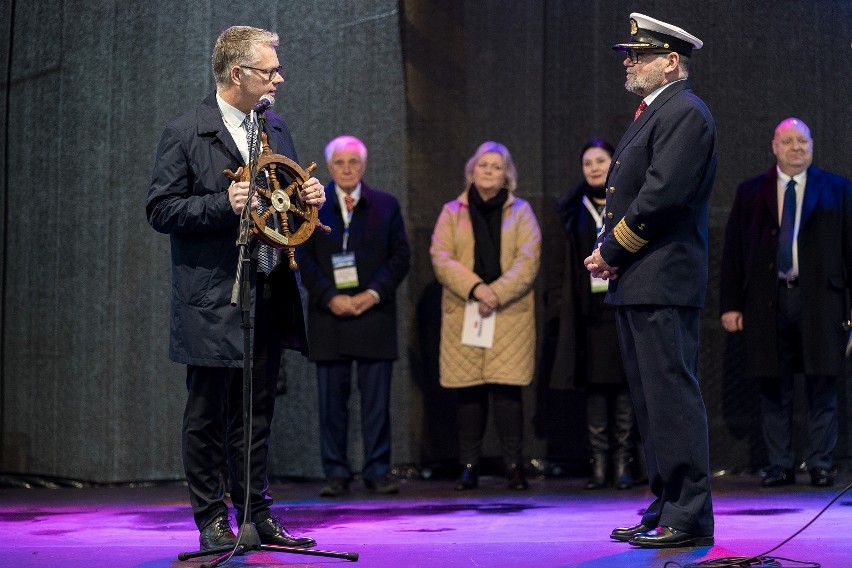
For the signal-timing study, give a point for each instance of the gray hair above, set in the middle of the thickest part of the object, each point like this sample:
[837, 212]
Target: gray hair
[683, 65]
[238, 45]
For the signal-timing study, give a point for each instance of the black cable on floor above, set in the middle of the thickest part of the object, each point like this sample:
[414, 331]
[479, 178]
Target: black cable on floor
[761, 560]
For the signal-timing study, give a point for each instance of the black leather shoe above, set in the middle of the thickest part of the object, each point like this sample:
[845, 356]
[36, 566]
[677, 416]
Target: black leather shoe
[217, 534]
[624, 534]
[383, 485]
[777, 476]
[270, 531]
[469, 478]
[335, 487]
[516, 478]
[668, 537]
[821, 477]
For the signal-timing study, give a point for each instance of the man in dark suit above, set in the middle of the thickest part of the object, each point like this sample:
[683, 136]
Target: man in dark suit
[654, 251]
[785, 285]
[351, 277]
[197, 205]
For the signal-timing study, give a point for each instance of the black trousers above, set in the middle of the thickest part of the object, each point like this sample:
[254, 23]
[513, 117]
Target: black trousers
[776, 395]
[335, 385]
[659, 345]
[473, 418]
[213, 449]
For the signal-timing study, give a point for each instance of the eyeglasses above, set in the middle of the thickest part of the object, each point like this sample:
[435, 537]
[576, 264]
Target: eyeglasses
[635, 54]
[271, 73]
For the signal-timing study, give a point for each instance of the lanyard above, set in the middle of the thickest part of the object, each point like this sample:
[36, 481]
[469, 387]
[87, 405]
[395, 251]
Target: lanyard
[347, 219]
[593, 211]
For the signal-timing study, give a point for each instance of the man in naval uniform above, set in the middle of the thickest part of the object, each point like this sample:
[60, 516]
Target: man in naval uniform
[653, 249]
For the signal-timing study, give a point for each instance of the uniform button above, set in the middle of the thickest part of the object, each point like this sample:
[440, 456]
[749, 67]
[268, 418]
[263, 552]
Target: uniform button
[609, 214]
[612, 189]
[617, 163]
[774, 232]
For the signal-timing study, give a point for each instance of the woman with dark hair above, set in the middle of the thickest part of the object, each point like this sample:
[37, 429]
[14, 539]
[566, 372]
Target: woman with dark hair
[587, 355]
[485, 249]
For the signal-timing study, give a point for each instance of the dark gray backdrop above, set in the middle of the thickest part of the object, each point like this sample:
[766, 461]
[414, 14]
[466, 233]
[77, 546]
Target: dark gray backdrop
[87, 391]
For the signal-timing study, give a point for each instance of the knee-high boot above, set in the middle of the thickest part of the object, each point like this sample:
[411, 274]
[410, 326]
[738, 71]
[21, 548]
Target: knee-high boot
[598, 438]
[624, 432]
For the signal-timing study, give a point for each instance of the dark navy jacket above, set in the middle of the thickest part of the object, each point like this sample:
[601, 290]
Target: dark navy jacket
[658, 187]
[377, 237]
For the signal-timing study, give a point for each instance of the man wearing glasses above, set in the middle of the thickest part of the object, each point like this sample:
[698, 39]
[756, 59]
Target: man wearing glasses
[654, 251]
[199, 207]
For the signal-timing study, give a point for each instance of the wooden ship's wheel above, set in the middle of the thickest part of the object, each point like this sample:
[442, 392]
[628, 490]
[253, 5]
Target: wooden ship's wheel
[272, 219]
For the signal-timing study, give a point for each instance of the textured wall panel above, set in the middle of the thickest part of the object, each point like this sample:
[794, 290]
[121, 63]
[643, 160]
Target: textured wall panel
[86, 388]
[343, 75]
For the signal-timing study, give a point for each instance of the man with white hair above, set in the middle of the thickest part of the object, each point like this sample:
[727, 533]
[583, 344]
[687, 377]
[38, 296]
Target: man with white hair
[351, 276]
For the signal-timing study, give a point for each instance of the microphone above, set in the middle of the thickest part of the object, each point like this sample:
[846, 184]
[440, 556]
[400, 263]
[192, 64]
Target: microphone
[265, 102]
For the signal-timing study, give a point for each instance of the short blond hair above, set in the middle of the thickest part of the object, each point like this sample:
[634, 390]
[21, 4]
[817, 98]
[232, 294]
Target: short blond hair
[511, 171]
[238, 45]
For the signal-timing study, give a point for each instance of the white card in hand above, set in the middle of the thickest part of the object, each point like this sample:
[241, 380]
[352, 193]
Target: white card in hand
[477, 331]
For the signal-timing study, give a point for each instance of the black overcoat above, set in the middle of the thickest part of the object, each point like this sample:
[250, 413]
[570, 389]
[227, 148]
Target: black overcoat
[585, 342]
[749, 275]
[188, 199]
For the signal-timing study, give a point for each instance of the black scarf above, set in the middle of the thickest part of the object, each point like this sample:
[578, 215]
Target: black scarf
[486, 218]
[595, 192]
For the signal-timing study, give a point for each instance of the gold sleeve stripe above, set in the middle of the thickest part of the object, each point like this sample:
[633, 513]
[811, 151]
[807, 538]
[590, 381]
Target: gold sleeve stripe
[627, 238]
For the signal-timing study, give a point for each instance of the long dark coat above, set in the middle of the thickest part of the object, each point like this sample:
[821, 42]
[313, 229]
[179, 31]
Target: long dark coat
[586, 344]
[188, 199]
[382, 255]
[749, 279]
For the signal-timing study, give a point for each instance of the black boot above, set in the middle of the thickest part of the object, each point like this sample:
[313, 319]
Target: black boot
[469, 478]
[623, 458]
[598, 438]
[598, 478]
[516, 478]
[622, 471]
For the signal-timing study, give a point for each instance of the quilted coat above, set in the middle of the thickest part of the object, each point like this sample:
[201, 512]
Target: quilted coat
[511, 359]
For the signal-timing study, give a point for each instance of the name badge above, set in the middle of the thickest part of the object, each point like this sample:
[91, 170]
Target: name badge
[345, 271]
[599, 285]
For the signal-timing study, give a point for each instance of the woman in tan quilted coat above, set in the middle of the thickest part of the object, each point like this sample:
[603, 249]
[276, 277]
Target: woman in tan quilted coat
[485, 249]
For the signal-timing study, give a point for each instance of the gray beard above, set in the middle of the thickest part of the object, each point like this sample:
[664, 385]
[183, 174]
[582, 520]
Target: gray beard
[646, 85]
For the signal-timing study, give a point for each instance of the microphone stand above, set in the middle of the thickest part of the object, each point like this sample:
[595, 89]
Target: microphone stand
[248, 539]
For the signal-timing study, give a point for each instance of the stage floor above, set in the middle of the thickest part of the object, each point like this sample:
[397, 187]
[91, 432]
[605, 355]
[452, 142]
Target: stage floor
[555, 524]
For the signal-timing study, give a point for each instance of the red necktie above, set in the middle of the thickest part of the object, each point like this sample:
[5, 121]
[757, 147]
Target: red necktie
[349, 201]
[639, 110]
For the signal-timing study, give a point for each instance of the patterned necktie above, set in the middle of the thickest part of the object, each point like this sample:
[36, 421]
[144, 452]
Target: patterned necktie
[788, 221]
[639, 110]
[350, 202]
[267, 256]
